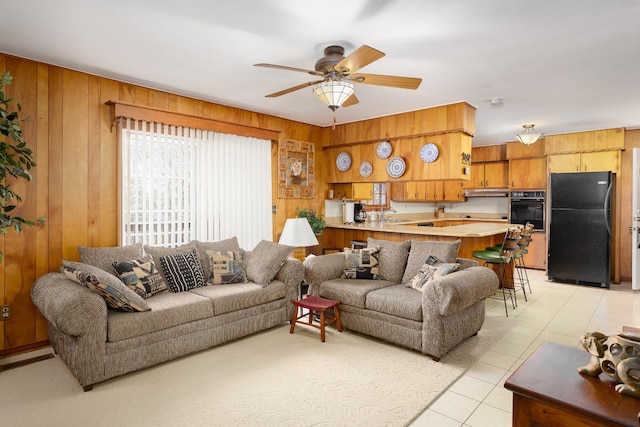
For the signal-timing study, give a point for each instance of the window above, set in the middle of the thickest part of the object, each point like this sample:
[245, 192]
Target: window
[179, 184]
[380, 197]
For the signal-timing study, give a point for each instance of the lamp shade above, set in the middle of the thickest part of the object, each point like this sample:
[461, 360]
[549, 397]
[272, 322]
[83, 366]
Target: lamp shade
[529, 136]
[333, 93]
[297, 232]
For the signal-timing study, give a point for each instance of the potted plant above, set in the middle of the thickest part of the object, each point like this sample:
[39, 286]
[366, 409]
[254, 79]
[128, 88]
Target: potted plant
[15, 160]
[317, 224]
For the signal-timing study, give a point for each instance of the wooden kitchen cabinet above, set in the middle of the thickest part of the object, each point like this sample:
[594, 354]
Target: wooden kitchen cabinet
[585, 162]
[527, 174]
[362, 190]
[517, 150]
[489, 175]
[427, 191]
[536, 256]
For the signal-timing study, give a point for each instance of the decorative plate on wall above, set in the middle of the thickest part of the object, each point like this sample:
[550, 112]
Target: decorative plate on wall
[343, 161]
[429, 152]
[396, 167]
[366, 169]
[383, 150]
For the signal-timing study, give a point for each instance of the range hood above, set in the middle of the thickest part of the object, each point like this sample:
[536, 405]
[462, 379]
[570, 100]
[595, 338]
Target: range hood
[486, 192]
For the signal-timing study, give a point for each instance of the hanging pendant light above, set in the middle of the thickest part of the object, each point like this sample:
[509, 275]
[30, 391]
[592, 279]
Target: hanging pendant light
[333, 93]
[529, 136]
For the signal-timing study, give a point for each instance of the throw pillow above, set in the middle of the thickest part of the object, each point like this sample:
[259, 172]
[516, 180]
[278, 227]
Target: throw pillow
[183, 271]
[141, 276]
[265, 261]
[393, 258]
[432, 269]
[230, 244]
[227, 267]
[115, 293]
[361, 263]
[420, 251]
[104, 257]
[159, 251]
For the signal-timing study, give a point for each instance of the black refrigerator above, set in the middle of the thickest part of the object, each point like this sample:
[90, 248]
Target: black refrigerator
[580, 228]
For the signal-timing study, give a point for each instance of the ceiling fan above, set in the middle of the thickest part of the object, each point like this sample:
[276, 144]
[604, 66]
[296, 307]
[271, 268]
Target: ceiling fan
[335, 88]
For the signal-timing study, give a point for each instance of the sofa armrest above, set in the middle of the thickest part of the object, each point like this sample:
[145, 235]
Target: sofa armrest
[466, 263]
[318, 269]
[71, 308]
[459, 290]
[291, 273]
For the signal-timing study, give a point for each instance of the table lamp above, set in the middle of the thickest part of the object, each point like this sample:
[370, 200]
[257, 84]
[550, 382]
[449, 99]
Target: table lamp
[297, 232]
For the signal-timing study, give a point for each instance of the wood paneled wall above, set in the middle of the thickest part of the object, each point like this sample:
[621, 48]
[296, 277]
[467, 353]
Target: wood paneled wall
[68, 127]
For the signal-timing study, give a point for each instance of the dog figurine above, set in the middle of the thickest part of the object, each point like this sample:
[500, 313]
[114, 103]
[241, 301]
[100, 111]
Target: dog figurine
[618, 356]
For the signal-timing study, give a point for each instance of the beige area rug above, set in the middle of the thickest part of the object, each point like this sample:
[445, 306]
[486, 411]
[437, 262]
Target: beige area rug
[268, 379]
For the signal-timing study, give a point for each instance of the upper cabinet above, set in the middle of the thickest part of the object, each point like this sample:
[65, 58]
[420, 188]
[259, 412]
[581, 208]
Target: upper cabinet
[427, 191]
[585, 162]
[517, 150]
[598, 140]
[488, 167]
[528, 174]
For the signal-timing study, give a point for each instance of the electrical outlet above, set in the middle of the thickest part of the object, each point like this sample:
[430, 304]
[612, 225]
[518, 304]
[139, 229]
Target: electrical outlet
[5, 312]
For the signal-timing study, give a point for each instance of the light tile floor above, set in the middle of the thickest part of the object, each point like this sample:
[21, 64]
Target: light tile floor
[554, 312]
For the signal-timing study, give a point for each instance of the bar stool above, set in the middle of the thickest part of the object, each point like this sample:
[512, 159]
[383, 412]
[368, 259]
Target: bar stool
[525, 240]
[503, 259]
[317, 304]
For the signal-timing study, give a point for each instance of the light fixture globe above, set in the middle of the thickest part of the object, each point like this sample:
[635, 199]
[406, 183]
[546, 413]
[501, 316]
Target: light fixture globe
[333, 93]
[529, 136]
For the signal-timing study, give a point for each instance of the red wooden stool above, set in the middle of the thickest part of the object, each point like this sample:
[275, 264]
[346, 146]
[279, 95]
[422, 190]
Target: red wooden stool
[318, 304]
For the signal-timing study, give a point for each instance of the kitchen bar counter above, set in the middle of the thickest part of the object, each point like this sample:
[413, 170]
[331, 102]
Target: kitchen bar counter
[474, 235]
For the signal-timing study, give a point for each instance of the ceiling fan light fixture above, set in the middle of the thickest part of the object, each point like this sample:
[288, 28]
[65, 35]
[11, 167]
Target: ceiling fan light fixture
[333, 93]
[529, 136]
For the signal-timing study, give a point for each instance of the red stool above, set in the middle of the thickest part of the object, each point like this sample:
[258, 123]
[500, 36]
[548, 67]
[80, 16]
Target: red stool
[318, 304]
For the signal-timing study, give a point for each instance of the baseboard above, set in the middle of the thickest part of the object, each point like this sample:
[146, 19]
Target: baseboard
[23, 349]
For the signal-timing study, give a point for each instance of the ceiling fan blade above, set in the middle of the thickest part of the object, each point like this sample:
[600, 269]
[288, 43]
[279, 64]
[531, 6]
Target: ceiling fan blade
[361, 57]
[392, 81]
[352, 100]
[293, 89]
[283, 67]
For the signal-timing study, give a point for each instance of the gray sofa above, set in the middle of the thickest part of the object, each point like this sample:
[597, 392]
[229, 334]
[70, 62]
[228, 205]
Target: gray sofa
[447, 311]
[97, 342]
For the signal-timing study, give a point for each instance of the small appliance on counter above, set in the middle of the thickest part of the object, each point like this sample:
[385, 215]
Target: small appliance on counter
[348, 212]
[359, 214]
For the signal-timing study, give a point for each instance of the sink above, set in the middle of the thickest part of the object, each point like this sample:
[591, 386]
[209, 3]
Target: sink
[395, 220]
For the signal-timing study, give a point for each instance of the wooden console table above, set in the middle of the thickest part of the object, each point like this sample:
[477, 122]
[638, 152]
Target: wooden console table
[549, 391]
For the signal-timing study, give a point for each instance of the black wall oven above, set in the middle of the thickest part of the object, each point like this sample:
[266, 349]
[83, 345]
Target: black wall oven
[527, 206]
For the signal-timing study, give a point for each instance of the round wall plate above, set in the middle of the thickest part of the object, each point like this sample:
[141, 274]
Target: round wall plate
[383, 150]
[396, 167]
[429, 152]
[343, 161]
[366, 169]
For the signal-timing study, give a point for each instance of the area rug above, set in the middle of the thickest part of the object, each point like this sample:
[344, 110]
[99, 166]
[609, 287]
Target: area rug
[271, 378]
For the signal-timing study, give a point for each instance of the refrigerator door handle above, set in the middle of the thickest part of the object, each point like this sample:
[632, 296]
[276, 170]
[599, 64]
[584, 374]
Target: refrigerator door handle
[607, 206]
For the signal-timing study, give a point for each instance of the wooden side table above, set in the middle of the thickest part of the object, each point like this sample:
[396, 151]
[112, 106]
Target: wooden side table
[320, 305]
[549, 391]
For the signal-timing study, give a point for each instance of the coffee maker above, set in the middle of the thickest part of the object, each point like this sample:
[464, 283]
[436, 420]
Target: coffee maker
[359, 214]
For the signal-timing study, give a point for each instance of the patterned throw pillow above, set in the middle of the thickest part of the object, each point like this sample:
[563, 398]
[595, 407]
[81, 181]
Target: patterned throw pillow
[432, 269]
[115, 293]
[227, 267]
[361, 263]
[183, 271]
[141, 276]
[420, 250]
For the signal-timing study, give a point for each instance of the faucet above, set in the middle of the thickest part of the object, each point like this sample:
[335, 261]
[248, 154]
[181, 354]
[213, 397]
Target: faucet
[383, 212]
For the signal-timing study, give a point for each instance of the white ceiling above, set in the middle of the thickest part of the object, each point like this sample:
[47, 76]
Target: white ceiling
[565, 65]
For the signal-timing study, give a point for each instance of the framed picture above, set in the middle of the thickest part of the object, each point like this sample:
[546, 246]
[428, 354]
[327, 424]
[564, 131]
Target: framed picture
[296, 169]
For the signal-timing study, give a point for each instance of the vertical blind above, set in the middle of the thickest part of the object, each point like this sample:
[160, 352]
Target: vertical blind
[180, 184]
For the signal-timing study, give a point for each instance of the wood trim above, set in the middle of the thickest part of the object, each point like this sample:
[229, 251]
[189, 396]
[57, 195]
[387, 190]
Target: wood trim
[397, 138]
[123, 109]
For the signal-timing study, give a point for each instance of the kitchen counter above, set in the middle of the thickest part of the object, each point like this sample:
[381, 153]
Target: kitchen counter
[477, 228]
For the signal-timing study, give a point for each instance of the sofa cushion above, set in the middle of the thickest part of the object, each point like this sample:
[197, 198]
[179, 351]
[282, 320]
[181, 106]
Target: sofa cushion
[420, 251]
[230, 244]
[392, 258]
[431, 270]
[265, 261]
[141, 276]
[236, 296]
[183, 271]
[159, 251]
[115, 293]
[227, 267]
[397, 300]
[352, 291]
[104, 257]
[168, 309]
[361, 263]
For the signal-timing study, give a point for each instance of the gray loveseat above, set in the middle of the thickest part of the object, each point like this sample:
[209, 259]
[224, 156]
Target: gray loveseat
[447, 311]
[97, 342]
